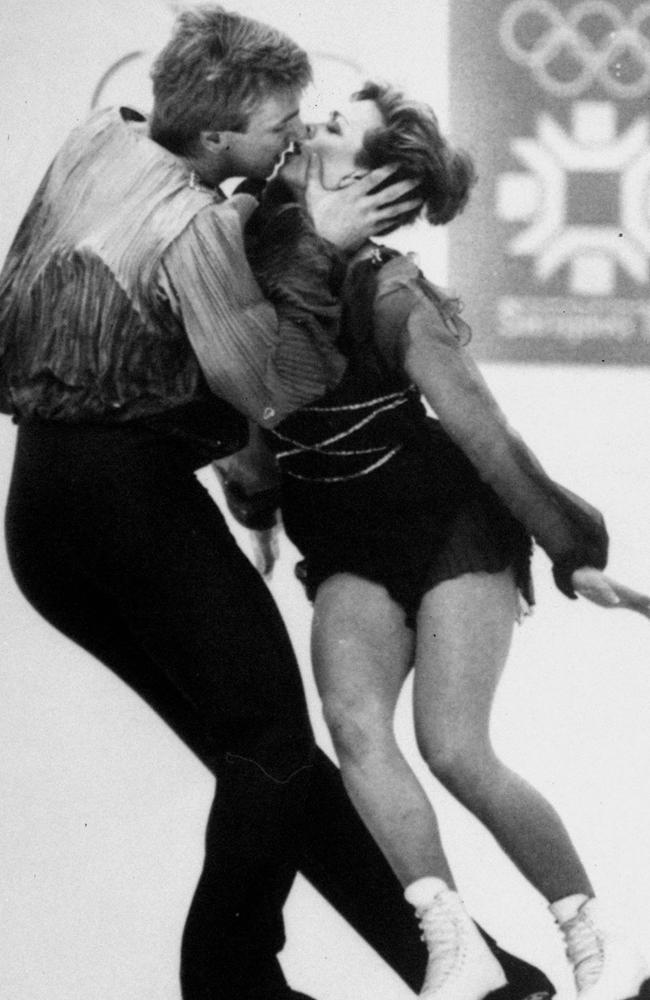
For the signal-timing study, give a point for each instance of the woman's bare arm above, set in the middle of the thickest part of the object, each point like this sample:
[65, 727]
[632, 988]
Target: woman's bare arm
[569, 529]
[425, 341]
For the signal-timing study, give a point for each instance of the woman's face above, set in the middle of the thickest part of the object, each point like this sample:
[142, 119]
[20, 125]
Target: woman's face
[337, 142]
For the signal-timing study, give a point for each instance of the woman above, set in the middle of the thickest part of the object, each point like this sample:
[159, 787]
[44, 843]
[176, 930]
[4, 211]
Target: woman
[416, 537]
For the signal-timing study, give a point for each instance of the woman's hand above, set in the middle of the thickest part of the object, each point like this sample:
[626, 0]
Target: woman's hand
[607, 593]
[266, 550]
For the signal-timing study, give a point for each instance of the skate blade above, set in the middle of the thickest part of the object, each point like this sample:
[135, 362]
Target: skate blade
[508, 992]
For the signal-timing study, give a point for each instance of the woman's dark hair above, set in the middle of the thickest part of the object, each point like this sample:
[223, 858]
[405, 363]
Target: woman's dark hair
[411, 137]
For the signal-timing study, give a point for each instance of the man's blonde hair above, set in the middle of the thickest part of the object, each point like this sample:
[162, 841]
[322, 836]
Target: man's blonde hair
[215, 70]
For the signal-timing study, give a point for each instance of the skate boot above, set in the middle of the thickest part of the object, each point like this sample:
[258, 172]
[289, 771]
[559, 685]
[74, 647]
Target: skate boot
[460, 966]
[605, 965]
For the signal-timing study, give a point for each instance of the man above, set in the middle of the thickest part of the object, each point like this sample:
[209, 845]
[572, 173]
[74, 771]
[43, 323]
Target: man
[134, 343]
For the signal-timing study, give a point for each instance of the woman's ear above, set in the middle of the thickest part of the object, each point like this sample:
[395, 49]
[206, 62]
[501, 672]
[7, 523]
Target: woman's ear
[352, 178]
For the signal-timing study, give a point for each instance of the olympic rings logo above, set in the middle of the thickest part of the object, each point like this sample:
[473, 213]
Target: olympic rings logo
[566, 60]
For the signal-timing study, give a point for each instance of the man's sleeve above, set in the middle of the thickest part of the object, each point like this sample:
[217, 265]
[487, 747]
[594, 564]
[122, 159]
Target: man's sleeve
[263, 361]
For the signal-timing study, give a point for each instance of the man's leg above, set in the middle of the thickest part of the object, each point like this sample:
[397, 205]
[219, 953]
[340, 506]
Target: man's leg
[113, 540]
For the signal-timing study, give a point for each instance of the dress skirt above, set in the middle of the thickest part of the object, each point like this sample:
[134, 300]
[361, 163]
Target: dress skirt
[421, 518]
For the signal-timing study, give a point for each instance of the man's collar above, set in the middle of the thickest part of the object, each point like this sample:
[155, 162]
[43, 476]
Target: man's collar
[131, 115]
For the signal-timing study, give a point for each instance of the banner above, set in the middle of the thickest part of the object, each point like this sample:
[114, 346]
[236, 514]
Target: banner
[553, 254]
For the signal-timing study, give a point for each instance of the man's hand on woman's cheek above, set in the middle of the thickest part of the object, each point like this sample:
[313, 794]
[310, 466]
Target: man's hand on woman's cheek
[349, 215]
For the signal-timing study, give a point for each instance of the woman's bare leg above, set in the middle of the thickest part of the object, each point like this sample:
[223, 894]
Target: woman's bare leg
[463, 638]
[362, 652]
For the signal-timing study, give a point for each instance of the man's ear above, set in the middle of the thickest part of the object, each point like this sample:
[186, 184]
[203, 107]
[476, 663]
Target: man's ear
[352, 178]
[212, 142]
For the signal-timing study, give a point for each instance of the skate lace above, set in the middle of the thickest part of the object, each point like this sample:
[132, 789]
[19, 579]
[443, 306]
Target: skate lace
[443, 936]
[585, 950]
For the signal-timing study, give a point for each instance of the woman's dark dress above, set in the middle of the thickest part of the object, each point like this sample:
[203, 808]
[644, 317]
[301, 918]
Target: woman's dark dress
[372, 485]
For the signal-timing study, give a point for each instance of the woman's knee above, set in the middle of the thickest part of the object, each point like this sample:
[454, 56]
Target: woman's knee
[358, 727]
[463, 765]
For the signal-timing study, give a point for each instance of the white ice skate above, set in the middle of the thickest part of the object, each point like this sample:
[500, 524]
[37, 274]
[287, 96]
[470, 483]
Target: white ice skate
[460, 966]
[605, 965]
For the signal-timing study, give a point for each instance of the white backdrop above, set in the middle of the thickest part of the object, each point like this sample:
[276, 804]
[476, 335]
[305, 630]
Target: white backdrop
[103, 809]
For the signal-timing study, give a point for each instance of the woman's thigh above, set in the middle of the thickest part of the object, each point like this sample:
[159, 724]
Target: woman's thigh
[464, 632]
[361, 649]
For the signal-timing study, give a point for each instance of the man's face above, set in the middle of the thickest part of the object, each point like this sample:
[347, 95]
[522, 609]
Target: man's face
[272, 126]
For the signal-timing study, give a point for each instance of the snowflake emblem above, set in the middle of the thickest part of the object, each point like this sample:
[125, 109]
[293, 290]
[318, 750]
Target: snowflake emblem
[540, 198]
